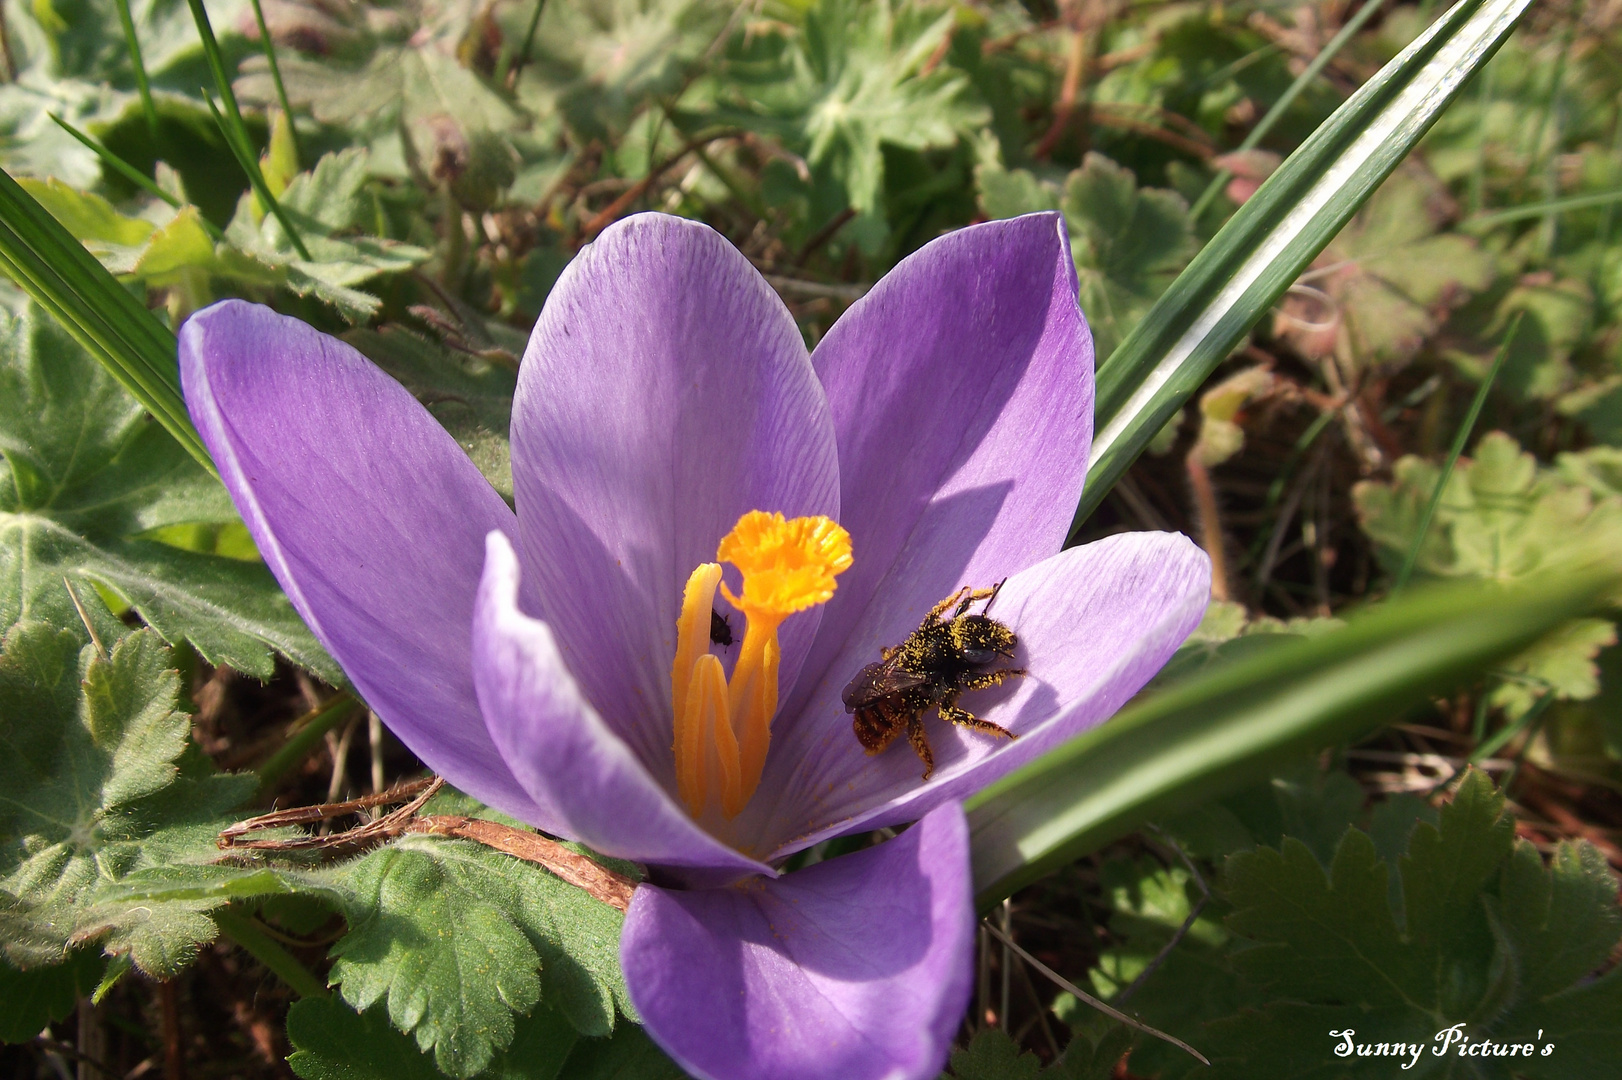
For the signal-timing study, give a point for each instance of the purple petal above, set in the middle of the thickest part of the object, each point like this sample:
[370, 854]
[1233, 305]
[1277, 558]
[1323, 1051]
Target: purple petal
[665, 392]
[856, 968]
[370, 516]
[1094, 623]
[962, 393]
[587, 780]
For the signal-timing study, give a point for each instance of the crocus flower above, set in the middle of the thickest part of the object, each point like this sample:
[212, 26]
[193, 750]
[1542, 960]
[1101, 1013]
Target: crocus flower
[677, 452]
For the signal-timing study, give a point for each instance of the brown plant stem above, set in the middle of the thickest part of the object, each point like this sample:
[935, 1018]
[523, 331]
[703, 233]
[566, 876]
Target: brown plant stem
[174, 1056]
[583, 873]
[1205, 505]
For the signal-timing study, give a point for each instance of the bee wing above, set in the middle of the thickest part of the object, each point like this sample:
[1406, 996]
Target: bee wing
[877, 681]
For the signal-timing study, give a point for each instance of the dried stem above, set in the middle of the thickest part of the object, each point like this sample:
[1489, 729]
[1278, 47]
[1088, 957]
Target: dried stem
[1080, 994]
[1205, 503]
[174, 1058]
[578, 870]
[583, 873]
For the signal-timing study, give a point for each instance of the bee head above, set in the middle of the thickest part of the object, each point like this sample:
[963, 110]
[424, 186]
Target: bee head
[981, 639]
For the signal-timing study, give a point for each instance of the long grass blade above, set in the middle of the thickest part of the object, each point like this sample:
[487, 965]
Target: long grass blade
[216, 68]
[1460, 438]
[1218, 731]
[276, 76]
[243, 152]
[1310, 73]
[133, 44]
[66, 280]
[1541, 208]
[1278, 232]
[130, 172]
[118, 164]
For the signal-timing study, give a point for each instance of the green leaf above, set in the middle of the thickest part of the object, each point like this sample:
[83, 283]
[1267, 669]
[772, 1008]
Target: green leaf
[629, 1055]
[1477, 945]
[89, 475]
[1211, 733]
[1392, 275]
[91, 219]
[333, 1042]
[450, 935]
[1562, 924]
[29, 1000]
[322, 203]
[856, 77]
[992, 1055]
[1128, 242]
[1259, 253]
[1502, 518]
[100, 780]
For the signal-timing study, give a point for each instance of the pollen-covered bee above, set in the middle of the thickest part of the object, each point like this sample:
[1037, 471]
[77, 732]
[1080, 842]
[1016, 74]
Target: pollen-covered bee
[946, 656]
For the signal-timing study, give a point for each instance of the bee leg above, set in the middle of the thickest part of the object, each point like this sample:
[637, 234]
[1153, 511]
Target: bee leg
[981, 679]
[964, 718]
[972, 596]
[940, 609]
[920, 743]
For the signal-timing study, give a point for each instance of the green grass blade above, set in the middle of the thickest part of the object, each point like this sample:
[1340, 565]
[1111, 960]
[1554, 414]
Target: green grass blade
[243, 151]
[66, 280]
[276, 76]
[131, 173]
[529, 35]
[1282, 105]
[216, 68]
[133, 44]
[235, 130]
[1220, 730]
[118, 164]
[1249, 264]
[1542, 208]
[1460, 437]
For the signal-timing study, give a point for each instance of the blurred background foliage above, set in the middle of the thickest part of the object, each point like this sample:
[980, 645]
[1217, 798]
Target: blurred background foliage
[415, 175]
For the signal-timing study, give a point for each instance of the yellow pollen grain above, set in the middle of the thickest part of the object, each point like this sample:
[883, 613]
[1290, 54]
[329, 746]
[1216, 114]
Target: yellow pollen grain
[723, 727]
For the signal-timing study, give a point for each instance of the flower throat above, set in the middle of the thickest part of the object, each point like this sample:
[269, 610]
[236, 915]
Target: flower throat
[723, 727]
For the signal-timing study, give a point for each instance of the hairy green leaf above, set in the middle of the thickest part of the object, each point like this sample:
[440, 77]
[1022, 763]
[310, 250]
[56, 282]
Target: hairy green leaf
[327, 207]
[89, 477]
[332, 1042]
[1458, 954]
[100, 779]
[852, 78]
[455, 939]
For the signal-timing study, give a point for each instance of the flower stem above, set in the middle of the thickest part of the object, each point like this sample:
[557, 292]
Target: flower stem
[246, 932]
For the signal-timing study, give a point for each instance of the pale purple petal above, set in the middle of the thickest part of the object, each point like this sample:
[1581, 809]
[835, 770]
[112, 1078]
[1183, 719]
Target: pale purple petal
[962, 394]
[857, 968]
[587, 780]
[370, 516]
[666, 391]
[1094, 623]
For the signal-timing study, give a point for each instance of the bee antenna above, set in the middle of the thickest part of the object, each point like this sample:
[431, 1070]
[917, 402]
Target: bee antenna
[992, 599]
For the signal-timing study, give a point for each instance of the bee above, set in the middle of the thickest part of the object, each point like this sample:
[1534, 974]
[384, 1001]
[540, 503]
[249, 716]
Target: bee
[946, 656]
[720, 629]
